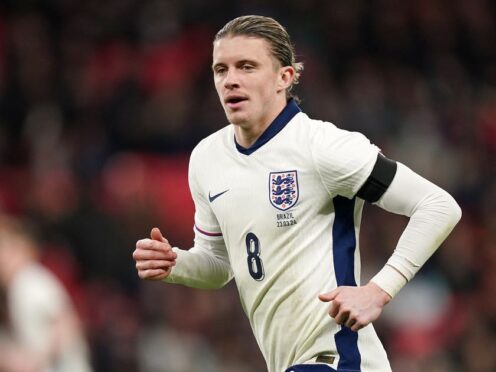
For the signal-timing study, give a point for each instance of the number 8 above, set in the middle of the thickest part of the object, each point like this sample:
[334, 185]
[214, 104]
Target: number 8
[255, 266]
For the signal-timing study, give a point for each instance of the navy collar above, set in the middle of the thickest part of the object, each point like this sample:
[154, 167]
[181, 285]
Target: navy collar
[275, 127]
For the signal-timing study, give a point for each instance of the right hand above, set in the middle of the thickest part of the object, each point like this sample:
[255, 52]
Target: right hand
[154, 257]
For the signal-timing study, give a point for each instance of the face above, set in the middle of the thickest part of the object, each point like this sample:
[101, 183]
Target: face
[6, 251]
[250, 82]
[14, 252]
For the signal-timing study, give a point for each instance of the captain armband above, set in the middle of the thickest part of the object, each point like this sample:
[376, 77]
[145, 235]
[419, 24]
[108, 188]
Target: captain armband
[379, 180]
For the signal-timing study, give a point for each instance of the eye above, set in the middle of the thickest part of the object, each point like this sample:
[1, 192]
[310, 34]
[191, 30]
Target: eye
[218, 70]
[247, 67]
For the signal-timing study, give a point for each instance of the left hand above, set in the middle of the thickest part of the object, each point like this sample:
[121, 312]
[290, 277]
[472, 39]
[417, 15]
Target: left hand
[356, 307]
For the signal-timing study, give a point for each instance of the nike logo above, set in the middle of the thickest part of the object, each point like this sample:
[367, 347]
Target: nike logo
[211, 198]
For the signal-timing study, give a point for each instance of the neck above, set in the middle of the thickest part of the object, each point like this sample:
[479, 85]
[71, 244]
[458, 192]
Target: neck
[247, 134]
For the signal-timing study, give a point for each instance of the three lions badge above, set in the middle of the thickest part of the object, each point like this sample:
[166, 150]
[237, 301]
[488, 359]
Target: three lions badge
[283, 189]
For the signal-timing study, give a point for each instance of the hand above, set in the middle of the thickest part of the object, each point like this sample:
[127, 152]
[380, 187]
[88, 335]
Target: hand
[154, 257]
[356, 307]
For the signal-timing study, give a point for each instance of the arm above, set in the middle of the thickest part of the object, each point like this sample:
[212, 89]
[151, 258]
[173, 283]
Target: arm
[205, 266]
[433, 214]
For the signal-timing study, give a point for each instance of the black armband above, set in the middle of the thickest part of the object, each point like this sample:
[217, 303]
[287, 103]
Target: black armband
[379, 180]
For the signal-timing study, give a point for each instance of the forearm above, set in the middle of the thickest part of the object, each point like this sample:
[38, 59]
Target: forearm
[433, 214]
[204, 266]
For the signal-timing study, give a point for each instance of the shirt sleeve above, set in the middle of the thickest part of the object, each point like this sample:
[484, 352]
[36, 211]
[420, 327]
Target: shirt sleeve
[433, 214]
[206, 265]
[343, 159]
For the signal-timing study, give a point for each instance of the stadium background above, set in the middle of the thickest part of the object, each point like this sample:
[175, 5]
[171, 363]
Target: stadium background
[102, 101]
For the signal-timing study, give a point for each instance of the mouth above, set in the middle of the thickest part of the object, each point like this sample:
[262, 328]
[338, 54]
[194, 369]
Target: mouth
[234, 101]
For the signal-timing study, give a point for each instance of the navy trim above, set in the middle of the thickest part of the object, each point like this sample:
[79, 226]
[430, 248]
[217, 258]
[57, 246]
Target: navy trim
[343, 235]
[207, 233]
[275, 127]
[310, 368]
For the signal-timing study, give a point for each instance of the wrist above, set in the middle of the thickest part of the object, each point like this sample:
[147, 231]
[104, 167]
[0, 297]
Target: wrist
[382, 295]
[390, 280]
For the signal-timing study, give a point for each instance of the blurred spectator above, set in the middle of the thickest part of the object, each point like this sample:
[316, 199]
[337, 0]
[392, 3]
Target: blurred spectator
[46, 333]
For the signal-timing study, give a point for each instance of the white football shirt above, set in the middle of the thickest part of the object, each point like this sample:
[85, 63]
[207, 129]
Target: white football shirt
[36, 299]
[284, 215]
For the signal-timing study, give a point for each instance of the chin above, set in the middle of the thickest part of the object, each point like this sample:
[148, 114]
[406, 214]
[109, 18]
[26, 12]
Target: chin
[237, 118]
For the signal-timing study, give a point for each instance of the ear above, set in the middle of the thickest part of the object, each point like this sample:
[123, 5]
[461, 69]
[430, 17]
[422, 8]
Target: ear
[285, 78]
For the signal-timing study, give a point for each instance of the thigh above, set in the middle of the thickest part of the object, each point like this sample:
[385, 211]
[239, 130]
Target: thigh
[310, 368]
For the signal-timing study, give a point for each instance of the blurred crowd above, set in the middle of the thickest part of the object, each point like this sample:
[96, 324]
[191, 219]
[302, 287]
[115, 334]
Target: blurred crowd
[102, 101]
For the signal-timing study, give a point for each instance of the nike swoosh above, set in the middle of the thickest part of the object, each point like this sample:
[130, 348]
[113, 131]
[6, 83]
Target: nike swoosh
[213, 197]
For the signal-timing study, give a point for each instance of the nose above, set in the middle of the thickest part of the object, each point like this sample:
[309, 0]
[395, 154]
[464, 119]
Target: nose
[231, 80]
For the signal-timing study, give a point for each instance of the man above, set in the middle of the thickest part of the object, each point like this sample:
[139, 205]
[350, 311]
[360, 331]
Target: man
[278, 199]
[45, 332]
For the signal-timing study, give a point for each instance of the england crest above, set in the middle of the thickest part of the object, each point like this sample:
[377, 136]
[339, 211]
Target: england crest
[283, 189]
